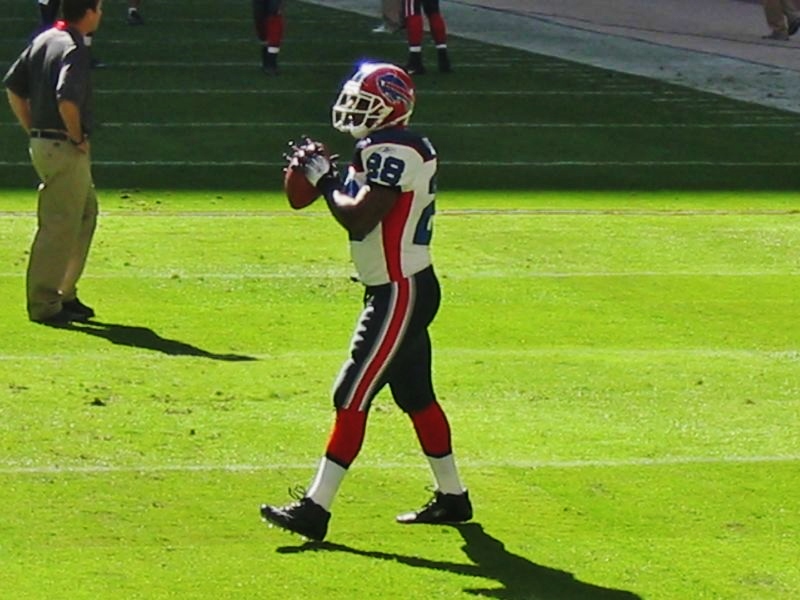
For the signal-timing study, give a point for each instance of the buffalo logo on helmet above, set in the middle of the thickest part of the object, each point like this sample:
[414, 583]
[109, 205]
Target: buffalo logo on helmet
[394, 88]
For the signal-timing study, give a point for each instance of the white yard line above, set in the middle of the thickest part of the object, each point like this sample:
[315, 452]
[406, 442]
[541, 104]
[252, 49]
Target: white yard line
[668, 461]
[518, 274]
[288, 92]
[454, 212]
[791, 355]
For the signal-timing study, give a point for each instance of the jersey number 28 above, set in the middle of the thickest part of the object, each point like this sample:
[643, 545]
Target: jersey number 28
[386, 171]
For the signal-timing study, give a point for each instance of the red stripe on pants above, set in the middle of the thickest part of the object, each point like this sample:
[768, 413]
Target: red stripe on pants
[386, 346]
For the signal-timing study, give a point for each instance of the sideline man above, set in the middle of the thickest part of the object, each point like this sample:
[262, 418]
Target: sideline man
[56, 113]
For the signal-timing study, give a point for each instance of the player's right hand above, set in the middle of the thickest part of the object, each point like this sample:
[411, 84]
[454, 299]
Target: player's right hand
[312, 156]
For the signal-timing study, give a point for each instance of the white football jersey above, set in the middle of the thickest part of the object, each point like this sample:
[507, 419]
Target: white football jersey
[399, 246]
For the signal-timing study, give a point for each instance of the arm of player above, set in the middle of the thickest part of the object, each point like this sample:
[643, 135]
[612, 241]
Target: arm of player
[362, 214]
[21, 107]
[358, 215]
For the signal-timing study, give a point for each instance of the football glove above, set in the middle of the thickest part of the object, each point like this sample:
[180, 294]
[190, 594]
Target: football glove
[313, 158]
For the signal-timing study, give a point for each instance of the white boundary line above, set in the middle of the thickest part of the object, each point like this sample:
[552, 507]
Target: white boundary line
[451, 163]
[533, 464]
[236, 213]
[327, 92]
[334, 274]
[494, 64]
[785, 123]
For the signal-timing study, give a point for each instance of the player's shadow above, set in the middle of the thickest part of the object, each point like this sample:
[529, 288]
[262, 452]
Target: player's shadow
[520, 578]
[143, 337]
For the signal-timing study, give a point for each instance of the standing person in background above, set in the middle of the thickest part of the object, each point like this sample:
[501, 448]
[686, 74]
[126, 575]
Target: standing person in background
[48, 13]
[49, 90]
[268, 18]
[392, 13]
[386, 204]
[783, 17]
[95, 63]
[413, 10]
[134, 16]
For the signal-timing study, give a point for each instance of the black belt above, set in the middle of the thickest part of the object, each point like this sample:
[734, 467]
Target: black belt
[49, 134]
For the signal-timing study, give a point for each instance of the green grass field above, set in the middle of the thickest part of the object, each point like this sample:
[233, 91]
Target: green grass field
[617, 348]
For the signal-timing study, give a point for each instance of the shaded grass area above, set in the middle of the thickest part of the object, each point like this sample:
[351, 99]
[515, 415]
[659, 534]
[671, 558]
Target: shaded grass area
[183, 104]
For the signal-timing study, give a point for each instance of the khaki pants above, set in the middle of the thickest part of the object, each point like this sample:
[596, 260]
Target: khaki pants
[67, 216]
[778, 12]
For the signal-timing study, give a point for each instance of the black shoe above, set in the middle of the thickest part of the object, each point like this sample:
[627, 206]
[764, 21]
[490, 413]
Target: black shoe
[269, 61]
[61, 318]
[134, 18]
[442, 508]
[444, 61]
[414, 65]
[304, 517]
[79, 308]
[794, 26]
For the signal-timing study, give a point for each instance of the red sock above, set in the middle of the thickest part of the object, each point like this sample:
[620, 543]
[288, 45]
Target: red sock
[433, 430]
[414, 30]
[347, 436]
[274, 30]
[438, 28]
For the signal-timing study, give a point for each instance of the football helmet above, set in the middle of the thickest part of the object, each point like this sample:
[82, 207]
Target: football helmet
[378, 95]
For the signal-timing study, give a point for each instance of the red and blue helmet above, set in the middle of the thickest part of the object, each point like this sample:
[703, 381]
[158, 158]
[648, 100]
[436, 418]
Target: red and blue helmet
[378, 95]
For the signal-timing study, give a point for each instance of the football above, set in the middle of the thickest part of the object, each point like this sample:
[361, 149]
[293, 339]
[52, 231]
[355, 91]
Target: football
[299, 191]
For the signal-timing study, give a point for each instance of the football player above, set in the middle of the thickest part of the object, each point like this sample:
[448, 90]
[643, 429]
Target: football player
[134, 15]
[386, 204]
[412, 10]
[48, 13]
[268, 19]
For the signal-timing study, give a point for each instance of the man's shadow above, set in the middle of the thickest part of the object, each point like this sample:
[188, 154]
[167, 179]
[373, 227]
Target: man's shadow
[519, 577]
[142, 337]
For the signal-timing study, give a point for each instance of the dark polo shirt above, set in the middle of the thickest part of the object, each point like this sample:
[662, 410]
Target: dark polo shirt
[55, 66]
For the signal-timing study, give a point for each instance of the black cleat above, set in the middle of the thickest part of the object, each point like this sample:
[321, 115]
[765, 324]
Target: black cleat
[134, 18]
[62, 318]
[444, 61]
[79, 308]
[304, 517]
[414, 65]
[269, 62]
[442, 508]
